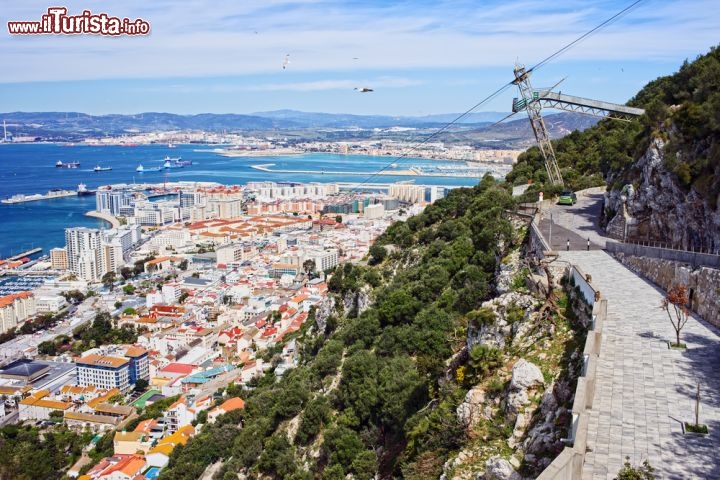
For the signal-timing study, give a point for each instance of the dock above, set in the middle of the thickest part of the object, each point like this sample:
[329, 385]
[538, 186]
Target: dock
[22, 198]
[32, 251]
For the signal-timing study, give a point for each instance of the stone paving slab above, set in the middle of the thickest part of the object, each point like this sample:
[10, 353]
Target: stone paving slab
[644, 390]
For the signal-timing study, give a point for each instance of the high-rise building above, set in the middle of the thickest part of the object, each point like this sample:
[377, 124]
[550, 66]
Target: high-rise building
[84, 253]
[91, 253]
[114, 202]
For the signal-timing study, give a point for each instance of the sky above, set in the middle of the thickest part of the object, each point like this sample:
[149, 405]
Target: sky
[420, 57]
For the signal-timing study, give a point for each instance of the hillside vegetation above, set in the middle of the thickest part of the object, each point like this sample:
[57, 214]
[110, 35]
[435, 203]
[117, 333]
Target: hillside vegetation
[386, 363]
[681, 110]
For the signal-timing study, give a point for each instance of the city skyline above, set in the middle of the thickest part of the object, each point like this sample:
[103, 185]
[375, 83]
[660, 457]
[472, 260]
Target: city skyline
[419, 58]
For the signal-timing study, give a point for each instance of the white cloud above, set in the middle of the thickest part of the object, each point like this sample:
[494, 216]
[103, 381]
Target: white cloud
[196, 38]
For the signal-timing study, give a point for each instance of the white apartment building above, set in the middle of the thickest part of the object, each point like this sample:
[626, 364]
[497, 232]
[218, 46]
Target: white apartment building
[49, 303]
[376, 210]
[155, 213]
[325, 259]
[171, 238]
[16, 308]
[91, 252]
[83, 247]
[235, 253]
[407, 193]
[269, 191]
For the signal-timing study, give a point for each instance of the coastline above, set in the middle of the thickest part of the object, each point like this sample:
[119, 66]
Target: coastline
[398, 156]
[113, 221]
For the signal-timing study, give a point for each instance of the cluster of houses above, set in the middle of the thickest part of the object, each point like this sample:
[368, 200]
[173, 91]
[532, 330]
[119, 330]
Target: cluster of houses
[142, 453]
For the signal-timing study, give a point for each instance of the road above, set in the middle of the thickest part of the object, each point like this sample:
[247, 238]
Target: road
[9, 419]
[574, 227]
[23, 343]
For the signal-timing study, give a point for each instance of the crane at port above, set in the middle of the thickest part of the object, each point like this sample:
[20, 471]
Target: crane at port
[532, 101]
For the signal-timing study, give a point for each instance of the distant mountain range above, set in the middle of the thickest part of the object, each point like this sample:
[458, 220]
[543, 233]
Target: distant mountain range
[474, 127]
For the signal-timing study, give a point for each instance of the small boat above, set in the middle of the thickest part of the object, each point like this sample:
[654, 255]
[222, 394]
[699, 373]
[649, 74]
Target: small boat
[60, 164]
[82, 190]
[171, 162]
[98, 168]
[171, 145]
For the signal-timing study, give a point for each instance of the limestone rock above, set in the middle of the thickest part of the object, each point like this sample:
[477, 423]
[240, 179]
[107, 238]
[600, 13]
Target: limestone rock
[472, 409]
[497, 468]
[516, 399]
[660, 210]
[526, 375]
[325, 309]
[507, 270]
[500, 332]
[359, 300]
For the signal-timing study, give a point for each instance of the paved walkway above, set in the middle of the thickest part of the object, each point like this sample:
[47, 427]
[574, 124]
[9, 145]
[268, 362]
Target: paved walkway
[644, 390]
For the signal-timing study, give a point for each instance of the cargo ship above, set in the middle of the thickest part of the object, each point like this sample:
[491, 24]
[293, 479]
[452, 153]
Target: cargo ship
[82, 190]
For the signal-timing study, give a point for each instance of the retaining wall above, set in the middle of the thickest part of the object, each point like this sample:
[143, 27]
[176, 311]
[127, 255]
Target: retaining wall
[693, 258]
[568, 465]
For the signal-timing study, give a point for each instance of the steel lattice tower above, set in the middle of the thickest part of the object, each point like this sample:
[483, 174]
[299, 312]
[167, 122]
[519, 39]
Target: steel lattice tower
[529, 101]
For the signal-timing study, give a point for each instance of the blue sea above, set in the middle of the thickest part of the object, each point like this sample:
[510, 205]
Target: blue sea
[30, 168]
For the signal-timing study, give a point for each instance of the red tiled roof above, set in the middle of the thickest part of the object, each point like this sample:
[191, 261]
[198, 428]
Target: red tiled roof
[175, 367]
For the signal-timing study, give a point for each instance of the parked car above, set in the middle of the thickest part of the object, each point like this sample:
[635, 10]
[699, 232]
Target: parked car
[567, 197]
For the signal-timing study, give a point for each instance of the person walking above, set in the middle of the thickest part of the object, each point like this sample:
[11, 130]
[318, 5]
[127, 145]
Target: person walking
[567, 245]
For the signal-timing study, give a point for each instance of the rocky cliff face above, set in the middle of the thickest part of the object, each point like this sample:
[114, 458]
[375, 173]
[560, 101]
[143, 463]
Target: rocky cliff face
[528, 399]
[658, 209]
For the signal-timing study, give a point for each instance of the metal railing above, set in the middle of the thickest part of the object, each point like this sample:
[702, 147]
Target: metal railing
[654, 250]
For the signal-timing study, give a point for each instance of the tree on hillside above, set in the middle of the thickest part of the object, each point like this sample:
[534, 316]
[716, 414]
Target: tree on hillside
[677, 298]
[309, 266]
[108, 280]
[377, 254]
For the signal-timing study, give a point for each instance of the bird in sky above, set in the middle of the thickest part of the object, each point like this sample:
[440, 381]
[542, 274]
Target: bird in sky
[364, 89]
[286, 61]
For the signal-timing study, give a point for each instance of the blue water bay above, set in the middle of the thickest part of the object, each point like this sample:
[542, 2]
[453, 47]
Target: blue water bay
[30, 168]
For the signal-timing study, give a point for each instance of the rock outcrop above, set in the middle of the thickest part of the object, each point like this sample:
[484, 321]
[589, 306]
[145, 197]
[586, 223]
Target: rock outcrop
[497, 468]
[525, 377]
[658, 209]
[498, 333]
[323, 312]
[474, 408]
